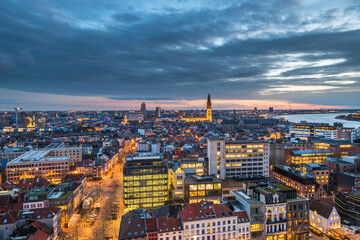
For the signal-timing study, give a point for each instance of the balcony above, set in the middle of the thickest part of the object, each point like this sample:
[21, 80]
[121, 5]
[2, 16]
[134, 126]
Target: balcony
[276, 221]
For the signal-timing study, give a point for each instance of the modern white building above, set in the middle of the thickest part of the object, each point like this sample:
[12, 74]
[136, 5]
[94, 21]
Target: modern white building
[50, 163]
[305, 130]
[229, 159]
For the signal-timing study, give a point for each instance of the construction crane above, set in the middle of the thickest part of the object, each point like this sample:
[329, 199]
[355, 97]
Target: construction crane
[16, 113]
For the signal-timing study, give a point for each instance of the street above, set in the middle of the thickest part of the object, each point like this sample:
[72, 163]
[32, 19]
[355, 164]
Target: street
[316, 237]
[110, 189]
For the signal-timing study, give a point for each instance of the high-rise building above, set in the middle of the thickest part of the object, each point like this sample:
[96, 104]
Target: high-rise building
[271, 109]
[255, 109]
[229, 159]
[145, 181]
[143, 109]
[158, 112]
[208, 109]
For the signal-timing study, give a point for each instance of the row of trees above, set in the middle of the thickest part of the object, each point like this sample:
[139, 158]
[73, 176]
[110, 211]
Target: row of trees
[102, 226]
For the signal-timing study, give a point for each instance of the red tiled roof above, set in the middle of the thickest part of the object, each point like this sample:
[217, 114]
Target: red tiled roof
[43, 213]
[151, 225]
[131, 228]
[166, 224]
[6, 186]
[204, 210]
[242, 216]
[5, 200]
[9, 217]
[40, 235]
[27, 183]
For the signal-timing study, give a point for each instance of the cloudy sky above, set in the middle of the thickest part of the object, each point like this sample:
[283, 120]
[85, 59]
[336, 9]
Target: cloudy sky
[94, 54]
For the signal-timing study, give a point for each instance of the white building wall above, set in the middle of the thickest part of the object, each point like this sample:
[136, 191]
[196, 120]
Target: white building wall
[220, 228]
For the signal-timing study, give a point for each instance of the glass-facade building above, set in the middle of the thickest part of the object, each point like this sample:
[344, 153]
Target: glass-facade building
[145, 182]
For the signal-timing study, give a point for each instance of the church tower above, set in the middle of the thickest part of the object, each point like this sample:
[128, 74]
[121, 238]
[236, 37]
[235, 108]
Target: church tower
[208, 109]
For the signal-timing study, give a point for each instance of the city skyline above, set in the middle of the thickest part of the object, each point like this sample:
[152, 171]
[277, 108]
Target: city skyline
[88, 55]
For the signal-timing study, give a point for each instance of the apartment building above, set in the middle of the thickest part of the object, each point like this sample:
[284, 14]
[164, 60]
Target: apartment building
[229, 159]
[206, 220]
[303, 183]
[321, 173]
[276, 210]
[197, 221]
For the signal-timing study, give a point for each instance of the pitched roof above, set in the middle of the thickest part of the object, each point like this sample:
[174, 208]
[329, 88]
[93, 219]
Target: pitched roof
[40, 235]
[133, 225]
[204, 210]
[27, 183]
[166, 224]
[6, 186]
[5, 200]
[321, 207]
[9, 218]
[151, 225]
[242, 216]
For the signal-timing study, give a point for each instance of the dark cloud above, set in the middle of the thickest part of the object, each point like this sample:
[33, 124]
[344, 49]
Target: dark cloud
[124, 52]
[126, 17]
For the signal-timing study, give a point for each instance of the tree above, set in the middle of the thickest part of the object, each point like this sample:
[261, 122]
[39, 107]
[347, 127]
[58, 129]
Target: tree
[77, 231]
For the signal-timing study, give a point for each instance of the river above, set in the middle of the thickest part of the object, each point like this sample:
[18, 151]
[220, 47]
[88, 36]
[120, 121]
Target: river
[321, 118]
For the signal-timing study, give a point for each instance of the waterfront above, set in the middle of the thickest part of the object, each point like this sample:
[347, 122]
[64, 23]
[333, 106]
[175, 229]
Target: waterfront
[321, 118]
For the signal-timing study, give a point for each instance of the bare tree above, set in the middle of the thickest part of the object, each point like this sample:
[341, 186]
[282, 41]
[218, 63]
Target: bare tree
[102, 226]
[77, 231]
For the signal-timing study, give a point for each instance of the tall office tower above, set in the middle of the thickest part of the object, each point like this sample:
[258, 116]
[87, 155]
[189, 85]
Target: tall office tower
[143, 109]
[229, 159]
[208, 109]
[158, 112]
[271, 109]
[145, 181]
[255, 109]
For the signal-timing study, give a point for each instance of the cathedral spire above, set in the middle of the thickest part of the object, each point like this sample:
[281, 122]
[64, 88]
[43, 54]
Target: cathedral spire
[208, 109]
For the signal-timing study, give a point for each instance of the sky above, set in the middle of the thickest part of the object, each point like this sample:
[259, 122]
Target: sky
[98, 55]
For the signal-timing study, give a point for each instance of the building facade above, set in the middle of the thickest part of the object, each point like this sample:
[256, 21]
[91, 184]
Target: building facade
[202, 188]
[229, 159]
[303, 183]
[145, 182]
[305, 130]
[38, 163]
[309, 156]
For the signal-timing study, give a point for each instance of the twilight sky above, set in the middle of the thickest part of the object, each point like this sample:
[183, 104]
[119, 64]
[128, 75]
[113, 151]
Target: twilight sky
[93, 54]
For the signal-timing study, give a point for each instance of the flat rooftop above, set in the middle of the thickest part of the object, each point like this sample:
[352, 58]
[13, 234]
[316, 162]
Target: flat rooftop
[318, 151]
[39, 191]
[41, 155]
[201, 179]
[250, 200]
[292, 171]
[245, 141]
[274, 188]
[298, 198]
